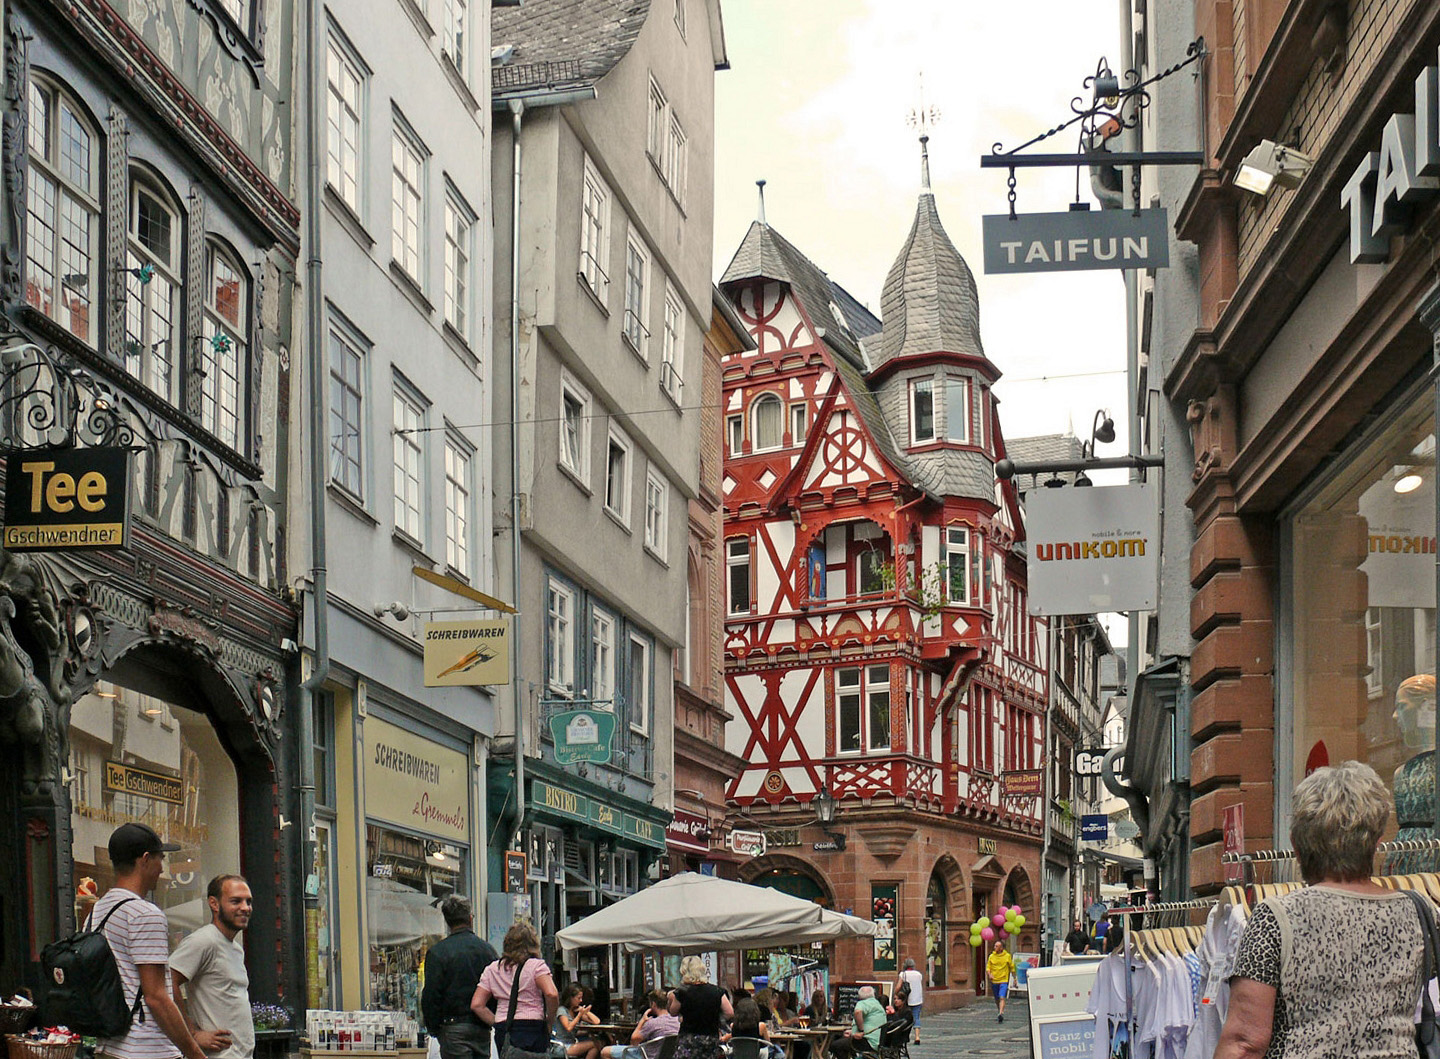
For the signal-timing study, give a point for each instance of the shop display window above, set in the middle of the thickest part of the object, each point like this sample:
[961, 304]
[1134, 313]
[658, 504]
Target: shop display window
[135, 757]
[407, 876]
[1361, 643]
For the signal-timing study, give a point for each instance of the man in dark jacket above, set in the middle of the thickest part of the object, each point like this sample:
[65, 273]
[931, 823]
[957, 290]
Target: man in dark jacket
[452, 969]
[1077, 941]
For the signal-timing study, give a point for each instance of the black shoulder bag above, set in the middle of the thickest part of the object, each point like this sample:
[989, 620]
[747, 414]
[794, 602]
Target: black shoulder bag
[512, 1050]
[1427, 1035]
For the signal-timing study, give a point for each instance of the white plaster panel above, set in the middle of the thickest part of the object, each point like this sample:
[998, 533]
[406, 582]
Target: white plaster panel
[822, 384]
[797, 389]
[787, 319]
[798, 780]
[736, 401]
[929, 546]
[810, 724]
[748, 786]
[751, 689]
[784, 631]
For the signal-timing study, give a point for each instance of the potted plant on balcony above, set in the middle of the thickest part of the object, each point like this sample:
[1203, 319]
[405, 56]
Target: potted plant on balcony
[273, 1030]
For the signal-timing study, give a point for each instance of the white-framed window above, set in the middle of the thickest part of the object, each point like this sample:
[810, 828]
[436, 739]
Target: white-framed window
[154, 301]
[617, 477]
[957, 564]
[737, 575]
[459, 460]
[637, 280]
[602, 658]
[922, 411]
[657, 495]
[345, 76]
[639, 687]
[957, 409]
[677, 158]
[560, 638]
[735, 433]
[982, 415]
[575, 428]
[347, 402]
[455, 32]
[594, 230]
[407, 200]
[862, 709]
[459, 258]
[767, 423]
[680, 16]
[655, 128]
[672, 353]
[870, 570]
[62, 211]
[407, 425]
[242, 12]
[225, 327]
[797, 425]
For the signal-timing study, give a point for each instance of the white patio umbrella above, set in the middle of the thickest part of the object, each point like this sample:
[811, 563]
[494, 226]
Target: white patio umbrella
[700, 913]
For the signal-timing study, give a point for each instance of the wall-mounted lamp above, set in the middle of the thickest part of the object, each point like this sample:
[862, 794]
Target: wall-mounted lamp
[1270, 165]
[826, 808]
[400, 610]
[1409, 482]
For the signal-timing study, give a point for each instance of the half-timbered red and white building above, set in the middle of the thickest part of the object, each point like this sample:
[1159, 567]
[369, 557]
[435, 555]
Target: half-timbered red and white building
[877, 644]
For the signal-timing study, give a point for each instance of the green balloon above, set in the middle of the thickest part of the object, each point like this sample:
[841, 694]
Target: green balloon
[1010, 916]
[976, 941]
[975, 929]
[1020, 920]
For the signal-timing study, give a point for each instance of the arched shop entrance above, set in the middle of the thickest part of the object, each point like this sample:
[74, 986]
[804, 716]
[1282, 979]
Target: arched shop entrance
[798, 969]
[936, 935]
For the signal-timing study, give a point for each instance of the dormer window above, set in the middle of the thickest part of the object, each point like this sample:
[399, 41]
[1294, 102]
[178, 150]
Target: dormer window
[922, 411]
[767, 422]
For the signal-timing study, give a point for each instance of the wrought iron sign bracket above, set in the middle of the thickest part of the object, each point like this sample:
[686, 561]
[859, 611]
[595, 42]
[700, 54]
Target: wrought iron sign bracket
[1113, 108]
[47, 403]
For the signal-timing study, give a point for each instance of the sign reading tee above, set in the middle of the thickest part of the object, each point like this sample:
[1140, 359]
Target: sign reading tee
[67, 499]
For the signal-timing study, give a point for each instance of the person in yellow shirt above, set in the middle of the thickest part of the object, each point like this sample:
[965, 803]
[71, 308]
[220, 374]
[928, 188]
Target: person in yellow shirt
[1000, 965]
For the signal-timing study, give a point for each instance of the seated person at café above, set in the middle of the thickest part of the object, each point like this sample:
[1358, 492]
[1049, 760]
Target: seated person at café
[657, 1022]
[748, 1022]
[819, 1010]
[869, 1017]
[573, 1014]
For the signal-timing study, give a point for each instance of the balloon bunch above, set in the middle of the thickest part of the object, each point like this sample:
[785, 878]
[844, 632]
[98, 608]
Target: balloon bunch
[984, 930]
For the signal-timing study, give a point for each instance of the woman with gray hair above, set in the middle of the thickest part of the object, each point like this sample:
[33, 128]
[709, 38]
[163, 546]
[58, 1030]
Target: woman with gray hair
[700, 1006]
[1335, 968]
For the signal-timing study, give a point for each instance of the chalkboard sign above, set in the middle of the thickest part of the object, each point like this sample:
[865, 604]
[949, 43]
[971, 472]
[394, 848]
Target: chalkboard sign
[847, 995]
[1064, 1036]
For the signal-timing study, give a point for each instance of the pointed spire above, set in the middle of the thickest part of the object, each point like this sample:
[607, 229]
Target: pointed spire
[925, 164]
[761, 185]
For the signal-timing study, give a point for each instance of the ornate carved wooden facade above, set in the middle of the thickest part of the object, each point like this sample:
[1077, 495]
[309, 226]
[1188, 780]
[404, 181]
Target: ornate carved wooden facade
[877, 642]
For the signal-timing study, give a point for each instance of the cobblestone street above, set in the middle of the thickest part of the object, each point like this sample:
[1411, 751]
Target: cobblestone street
[974, 1031]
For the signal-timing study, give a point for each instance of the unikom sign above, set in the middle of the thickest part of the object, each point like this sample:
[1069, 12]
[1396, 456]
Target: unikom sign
[415, 783]
[1093, 550]
[1388, 183]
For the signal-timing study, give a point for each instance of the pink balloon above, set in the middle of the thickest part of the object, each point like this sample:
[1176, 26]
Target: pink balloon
[998, 919]
[988, 934]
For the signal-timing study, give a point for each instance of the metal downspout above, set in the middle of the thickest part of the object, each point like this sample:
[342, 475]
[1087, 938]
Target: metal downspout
[319, 373]
[517, 683]
[1046, 791]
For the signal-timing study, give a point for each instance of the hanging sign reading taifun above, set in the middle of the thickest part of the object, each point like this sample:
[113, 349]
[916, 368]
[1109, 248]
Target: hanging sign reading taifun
[1076, 240]
[1093, 550]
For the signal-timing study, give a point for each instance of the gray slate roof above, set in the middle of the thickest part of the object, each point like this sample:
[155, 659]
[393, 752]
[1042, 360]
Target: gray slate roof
[1044, 448]
[929, 303]
[560, 43]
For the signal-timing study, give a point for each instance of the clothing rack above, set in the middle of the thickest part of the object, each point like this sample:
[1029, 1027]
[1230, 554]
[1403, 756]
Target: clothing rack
[1154, 907]
[1274, 859]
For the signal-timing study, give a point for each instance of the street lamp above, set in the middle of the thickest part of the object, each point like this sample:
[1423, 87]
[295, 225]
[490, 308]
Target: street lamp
[825, 810]
[1270, 165]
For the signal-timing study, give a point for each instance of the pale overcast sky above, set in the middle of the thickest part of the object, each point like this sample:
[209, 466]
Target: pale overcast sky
[815, 102]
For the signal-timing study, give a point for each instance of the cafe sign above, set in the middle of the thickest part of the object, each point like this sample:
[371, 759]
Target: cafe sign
[466, 653]
[67, 499]
[1076, 240]
[689, 832]
[582, 735]
[415, 783]
[747, 843]
[603, 817]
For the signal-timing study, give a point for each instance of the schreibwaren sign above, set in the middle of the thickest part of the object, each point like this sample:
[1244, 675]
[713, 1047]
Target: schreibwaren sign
[1076, 240]
[67, 499]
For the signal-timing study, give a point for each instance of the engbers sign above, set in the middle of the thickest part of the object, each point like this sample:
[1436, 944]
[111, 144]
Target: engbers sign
[1093, 549]
[67, 499]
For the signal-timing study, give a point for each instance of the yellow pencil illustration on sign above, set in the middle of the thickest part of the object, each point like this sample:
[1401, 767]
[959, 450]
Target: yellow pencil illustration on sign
[466, 653]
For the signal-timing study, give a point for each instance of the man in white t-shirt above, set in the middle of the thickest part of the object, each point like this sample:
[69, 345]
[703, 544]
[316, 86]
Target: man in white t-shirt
[209, 966]
[139, 937]
[916, 982]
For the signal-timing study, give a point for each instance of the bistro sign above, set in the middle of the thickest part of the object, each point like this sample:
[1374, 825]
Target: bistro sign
[560, 802]
[67, 499]
[1076, 240]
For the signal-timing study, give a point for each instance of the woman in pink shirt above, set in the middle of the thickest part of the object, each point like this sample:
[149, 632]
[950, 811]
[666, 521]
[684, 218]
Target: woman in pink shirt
[536, 1000]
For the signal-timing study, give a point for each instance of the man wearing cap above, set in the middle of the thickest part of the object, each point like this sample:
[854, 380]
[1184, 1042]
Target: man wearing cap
[209, 965]
[139, 938]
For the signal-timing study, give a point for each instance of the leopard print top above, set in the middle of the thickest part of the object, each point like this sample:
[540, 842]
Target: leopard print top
[1346, 969]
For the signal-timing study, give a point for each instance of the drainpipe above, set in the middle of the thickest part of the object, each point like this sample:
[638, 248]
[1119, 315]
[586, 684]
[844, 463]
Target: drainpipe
[319, 373]
[1046, 792]
[517, 681]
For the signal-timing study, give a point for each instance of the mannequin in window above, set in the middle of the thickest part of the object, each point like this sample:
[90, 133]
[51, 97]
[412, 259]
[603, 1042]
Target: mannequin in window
[1415, 779]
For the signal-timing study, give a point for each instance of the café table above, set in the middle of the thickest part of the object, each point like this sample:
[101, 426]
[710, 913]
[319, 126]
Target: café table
[617, 1032]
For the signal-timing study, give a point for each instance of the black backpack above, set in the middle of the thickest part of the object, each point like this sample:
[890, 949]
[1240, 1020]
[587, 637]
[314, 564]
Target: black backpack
[84, 990]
